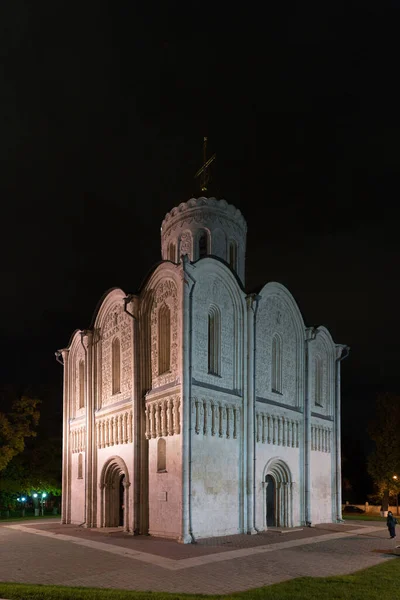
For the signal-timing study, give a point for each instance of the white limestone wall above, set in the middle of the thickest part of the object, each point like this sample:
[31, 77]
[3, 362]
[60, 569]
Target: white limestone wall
[77, 491]
[215, 287]
[265, 454]
[216, 476]
[279, 317]
[321, 487]
[165, 489]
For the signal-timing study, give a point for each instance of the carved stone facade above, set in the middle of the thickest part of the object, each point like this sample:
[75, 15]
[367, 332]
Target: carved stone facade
[194, 409]
[163, 417]
[165, 294]
[117, 324]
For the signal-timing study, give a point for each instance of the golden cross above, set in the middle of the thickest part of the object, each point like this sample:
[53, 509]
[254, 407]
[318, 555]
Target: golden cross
[204, 169]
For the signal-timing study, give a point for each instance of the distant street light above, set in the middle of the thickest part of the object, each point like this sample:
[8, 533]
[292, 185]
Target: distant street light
[397, 496]
[23, 500]
[43, 497]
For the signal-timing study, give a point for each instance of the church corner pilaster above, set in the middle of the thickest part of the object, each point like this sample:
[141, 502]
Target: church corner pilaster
[65, 485]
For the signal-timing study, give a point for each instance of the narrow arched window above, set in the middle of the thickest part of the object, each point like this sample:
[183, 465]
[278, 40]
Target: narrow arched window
[161, 455]
[80, 466]
[116, 366]
[171, 252]
[214, 341]
[276, 366]
[318, 381]
[233, 255]
[203, 244]
[81, 375]
[164, 339]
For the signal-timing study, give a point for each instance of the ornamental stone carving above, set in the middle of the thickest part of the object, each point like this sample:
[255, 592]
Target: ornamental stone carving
[114, 430]
[117, 324]
[213, 291]
[78, 439]
[274, 317]
[215, 418]
[186, 245]
[163, 417]
[277, 430]
[166, 293]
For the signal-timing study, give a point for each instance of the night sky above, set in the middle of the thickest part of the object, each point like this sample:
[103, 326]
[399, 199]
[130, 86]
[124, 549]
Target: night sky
[103, 113]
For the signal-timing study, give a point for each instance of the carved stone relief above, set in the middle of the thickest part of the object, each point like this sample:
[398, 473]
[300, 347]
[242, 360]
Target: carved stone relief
[78, 439]
[79, 356]
[114, 430]
[213, 291]
[277, 430]
[117, 324]
[318, 349]
[186, 245]
[163, 417]
[274, 317]
[321, 438]
[167, 293]
[216, 418]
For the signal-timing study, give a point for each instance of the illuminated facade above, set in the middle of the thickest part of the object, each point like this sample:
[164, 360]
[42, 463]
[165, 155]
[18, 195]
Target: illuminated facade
[194, 409]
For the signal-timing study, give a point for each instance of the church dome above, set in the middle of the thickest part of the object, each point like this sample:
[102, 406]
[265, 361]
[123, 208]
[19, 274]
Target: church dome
[205, 226]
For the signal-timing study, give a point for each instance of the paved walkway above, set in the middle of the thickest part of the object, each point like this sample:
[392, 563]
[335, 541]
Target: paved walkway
[49, 553]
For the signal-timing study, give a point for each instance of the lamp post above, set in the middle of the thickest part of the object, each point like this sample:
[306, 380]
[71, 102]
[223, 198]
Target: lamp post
[397, 495]
[35, 500]
[22, 500]
[43, 497]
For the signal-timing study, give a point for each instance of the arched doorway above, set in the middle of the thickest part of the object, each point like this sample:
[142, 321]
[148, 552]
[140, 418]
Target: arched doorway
[270, 501]
[121, 500]
[278, 496]
[114, 489]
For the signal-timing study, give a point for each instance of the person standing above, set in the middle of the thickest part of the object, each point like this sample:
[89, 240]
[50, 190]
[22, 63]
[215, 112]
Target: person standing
[391, 523]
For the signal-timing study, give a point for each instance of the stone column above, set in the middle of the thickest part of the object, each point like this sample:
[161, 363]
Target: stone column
[186, 535]
[87, 339]
[250, 402]
[341, 353]
[66, 454]
[311, 334]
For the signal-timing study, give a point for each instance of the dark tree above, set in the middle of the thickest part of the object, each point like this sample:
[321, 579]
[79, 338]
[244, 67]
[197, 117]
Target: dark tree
[384, 462]
[16, 426]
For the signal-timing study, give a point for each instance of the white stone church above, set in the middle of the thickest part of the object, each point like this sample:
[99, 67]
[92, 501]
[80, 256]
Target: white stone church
[194, 409]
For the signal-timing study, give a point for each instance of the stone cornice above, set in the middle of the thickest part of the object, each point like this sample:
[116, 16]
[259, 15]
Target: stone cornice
[195, 204]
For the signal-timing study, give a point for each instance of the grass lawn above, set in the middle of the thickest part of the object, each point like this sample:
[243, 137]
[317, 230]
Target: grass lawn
[359, 517]
[29, 518]
[377, 583]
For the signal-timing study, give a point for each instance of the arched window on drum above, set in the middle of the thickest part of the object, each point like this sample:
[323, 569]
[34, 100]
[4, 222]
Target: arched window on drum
[203, 244]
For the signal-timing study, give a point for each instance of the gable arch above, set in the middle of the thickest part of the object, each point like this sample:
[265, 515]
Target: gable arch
[112, 347]
[323, 353]
[277, 289]
[164, 286]
[216, 285]
[77, 356]
[279, 314]
[107, 301]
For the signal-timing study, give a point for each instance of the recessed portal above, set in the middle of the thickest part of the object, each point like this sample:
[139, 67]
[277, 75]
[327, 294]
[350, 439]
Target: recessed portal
[114, 485]
[270, 516]
[121, 500]
[278, 494]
